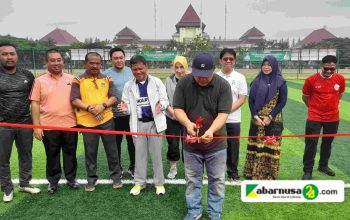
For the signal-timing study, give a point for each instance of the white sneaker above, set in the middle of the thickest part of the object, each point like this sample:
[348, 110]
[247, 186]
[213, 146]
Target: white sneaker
[172, 172]
[8, 197]
[29, 189]
[160, 190]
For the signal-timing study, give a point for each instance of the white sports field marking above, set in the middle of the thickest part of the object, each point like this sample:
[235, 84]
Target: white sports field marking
[167, 181]
[108, 181]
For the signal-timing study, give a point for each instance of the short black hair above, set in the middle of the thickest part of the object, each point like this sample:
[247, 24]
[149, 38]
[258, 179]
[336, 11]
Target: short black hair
[137, 59]
[329, 59]
[95, 54]
[115, 49]
[227, 50]
[52, 50]
[8, 44]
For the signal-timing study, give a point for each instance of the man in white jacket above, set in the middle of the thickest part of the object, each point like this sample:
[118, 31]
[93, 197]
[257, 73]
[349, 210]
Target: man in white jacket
[145, 99]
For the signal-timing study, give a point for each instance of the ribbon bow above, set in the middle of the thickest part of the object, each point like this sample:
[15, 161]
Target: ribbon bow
[199, 124]
[270, 140]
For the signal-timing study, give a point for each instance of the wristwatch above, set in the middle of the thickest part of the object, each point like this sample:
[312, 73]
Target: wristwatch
[105, 105]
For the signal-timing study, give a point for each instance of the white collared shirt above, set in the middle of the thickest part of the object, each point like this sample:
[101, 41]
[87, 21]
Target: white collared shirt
[238, 85]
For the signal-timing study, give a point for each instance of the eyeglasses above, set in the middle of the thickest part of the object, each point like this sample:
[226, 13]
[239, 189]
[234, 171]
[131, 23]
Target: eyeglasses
[95, 83]
[228, 59]
[332, 69]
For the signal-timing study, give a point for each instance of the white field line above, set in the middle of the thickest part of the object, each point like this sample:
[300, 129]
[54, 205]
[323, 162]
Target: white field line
[108, 181]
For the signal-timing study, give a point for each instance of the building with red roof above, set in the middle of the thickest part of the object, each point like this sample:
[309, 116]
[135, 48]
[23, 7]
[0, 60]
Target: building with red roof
[189, 26]
[252, 36]
[126, 37]
[59, 37]
[316, 36]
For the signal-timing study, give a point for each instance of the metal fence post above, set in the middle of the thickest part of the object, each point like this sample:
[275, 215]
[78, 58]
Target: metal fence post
[34, 66]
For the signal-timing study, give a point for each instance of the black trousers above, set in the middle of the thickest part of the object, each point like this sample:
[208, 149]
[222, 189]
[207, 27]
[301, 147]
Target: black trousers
[91, 142]
[314, 127]
[122, 124]
[233, 129]
[54, 141]
[173, 128]
[24, 142]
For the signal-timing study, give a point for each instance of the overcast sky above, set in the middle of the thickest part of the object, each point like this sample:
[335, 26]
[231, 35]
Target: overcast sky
[104, 18]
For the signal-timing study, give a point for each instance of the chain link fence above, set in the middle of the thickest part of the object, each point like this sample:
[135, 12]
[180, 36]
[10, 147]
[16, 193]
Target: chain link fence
[296, 61]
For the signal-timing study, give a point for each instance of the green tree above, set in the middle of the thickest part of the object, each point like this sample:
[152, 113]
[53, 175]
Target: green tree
[341, 44]
[147, 47]
[50, 43]
[199, 43]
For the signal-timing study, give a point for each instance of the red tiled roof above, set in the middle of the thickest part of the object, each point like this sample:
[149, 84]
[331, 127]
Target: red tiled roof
[252, 32]
[189, 19]
[317, 36]
[59, 36]
[127, 32]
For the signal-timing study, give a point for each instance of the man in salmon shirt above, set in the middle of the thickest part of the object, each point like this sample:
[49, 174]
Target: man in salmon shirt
[321, 94]
[51, 106]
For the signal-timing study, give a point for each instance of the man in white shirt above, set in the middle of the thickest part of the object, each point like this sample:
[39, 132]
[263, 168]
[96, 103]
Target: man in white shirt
[233, 124]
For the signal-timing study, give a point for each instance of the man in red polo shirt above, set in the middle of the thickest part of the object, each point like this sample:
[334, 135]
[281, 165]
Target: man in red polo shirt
[321, 94]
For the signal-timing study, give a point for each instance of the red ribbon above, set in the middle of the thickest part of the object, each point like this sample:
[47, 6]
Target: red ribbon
[199, 122]
[88, 130]
[270, 140]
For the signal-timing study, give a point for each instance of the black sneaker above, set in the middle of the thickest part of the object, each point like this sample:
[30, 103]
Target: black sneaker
[326, 170]
[90, 187]
[52, 188]
[235, 177]
[307, 176]
[73, 184]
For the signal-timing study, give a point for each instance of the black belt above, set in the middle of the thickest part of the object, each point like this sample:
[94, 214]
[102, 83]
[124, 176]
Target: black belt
[146, 119]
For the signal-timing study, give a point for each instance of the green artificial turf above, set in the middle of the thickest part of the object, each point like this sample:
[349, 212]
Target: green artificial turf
[107, 203]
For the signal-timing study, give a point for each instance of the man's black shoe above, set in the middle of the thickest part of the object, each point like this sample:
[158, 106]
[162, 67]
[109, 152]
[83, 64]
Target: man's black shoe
[52, 188]
[73, 184]
[307, 176]
[326, 170]
[235, 176]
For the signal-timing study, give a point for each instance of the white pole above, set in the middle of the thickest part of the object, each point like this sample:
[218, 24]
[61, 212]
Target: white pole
[201, 30]
[155, 20]
[225, 17]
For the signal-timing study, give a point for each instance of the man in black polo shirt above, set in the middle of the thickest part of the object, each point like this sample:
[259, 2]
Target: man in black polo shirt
[15, 86]
[207, 96]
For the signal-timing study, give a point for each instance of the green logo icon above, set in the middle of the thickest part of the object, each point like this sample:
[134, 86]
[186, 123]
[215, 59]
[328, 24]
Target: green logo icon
[250, 193]
[310, 192]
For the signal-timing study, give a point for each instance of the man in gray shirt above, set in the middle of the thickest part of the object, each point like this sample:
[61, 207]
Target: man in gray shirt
[120, 75]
